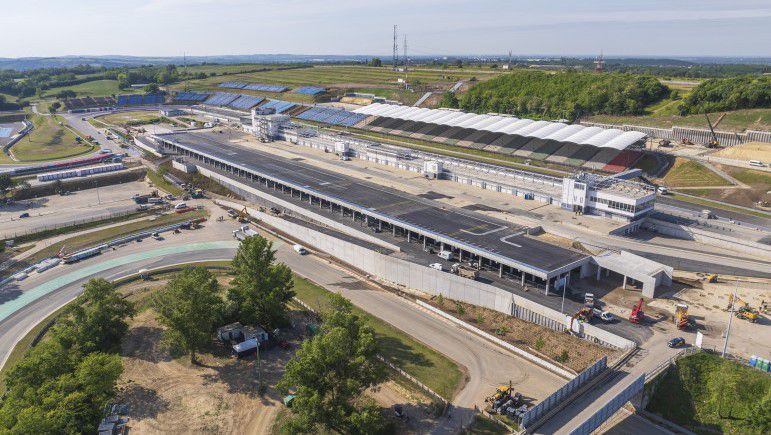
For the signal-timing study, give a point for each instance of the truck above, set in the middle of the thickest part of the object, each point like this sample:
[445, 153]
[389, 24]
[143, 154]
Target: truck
[464, 271]
[446, 255]
[589, 300]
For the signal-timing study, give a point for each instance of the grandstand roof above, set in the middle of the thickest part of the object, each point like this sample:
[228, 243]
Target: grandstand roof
[599, 137]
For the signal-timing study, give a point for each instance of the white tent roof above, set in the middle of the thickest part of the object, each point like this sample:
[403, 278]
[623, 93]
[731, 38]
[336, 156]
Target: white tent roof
[595, 136]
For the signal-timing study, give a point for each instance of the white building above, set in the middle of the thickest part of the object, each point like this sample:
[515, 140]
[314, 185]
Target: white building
[612, 196]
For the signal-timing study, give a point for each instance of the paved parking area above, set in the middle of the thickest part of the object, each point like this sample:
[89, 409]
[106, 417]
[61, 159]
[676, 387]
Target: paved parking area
[56, 211]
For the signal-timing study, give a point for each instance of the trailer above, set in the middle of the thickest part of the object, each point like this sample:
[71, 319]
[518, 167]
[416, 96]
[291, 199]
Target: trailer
[464, 271]
[246, 348]
[82, 255]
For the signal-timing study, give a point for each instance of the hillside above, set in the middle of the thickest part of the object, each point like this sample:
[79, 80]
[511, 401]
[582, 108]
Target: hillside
[745, 92]
[569, 95]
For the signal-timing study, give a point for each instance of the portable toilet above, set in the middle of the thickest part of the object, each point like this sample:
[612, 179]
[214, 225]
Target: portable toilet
[753, 360]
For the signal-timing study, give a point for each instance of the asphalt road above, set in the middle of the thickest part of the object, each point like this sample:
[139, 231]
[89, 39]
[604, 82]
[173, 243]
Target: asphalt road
[665, 202]
[486, 365]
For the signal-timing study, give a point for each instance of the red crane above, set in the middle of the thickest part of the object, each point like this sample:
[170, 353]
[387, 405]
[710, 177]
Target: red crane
[637, 312]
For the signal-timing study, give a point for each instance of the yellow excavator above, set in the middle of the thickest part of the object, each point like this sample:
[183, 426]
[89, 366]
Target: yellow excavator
[681, 316]
[742, 309]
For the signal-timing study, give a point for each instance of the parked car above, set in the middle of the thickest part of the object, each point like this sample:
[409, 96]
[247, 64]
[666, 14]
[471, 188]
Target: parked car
[437, 266]
[676, 342]
[180, 206]
[23, 215]
[299, 249]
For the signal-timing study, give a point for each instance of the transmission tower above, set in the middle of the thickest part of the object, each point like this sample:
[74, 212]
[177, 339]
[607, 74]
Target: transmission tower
[509, 64]
[396, 50]
[599, 63]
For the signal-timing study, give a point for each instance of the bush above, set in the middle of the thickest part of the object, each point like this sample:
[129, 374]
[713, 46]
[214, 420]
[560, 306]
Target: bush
[539, 343]
[563, 357]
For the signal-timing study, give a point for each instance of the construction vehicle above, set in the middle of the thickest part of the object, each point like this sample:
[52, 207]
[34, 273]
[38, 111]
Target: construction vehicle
[506, 401]
[744, 311]
[243, 216]
[464, 271]
[585, 314]
[665, 143]
[686, 141]
[681, 316]
[637, 314]
[589, 300]
[713, 278]
[747, 313]
[196, 193]
[713, 142]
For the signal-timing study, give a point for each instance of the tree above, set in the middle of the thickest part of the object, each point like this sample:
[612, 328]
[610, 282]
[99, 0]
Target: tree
[260, 290]
[190, 307]
[375, 61]
[53, 107]
[449, 100]
[458, 63]
[67, 93]
[152, 88]
[97, 319]
[331, 371]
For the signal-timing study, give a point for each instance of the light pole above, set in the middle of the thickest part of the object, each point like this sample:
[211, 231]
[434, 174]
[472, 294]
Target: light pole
[730, 319]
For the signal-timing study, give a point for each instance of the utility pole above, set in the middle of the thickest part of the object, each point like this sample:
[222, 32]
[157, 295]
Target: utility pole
[396, 50]
[730, 318]
[406, 61]
[509, 64]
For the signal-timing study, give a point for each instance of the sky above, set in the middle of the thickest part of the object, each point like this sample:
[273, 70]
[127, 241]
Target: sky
[733, 28]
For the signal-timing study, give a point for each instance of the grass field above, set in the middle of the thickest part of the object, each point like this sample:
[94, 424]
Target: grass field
[96, 88]
[161, 183]
[689, 173]
[121, 118]
[738, 120]
[427, 365]
[48, 141]
[700, 394]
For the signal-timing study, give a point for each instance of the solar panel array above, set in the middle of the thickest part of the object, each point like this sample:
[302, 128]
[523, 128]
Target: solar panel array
[82, 103]
[232, 85]
[332, 116]
[594, 136]
[245, 102]
[309, 90]
[253, 86]
[190, 96]
[221, 99]
[278, 106]
[139, 100]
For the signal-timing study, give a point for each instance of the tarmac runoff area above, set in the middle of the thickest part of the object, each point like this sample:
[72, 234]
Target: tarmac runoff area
[493, 236]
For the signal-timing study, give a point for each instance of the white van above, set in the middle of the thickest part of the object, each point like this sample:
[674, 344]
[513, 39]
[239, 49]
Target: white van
[180, 206]
[299, 249]
[437, 266]
[757, 163]
[663, 190]
[446, 255]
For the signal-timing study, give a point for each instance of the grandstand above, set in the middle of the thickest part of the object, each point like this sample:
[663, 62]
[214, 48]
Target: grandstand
[309, 90]
[332, 116]
[278, 106]
[253, 86]
[575, 145]
[189, 97]
[140, 100]
[232, 85]
[88, 102]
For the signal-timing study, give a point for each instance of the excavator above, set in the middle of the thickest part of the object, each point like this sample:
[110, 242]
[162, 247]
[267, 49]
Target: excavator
[637, 314]
[743, 311]
[681, 316]
[243, 216]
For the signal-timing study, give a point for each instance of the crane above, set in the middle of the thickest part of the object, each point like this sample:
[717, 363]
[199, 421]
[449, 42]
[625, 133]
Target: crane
[637, 315]
[713, 142]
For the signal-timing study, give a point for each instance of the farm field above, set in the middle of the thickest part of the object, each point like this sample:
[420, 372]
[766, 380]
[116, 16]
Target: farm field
[48, 141]
[379, 80]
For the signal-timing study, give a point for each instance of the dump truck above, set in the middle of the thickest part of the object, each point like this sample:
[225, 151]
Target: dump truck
[747, 313]
[464, 271]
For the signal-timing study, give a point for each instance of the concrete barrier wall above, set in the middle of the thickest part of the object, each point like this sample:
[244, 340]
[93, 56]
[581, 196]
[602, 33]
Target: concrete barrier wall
[696, 135]
[27, 127]
[708, 237]
[422, 278]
